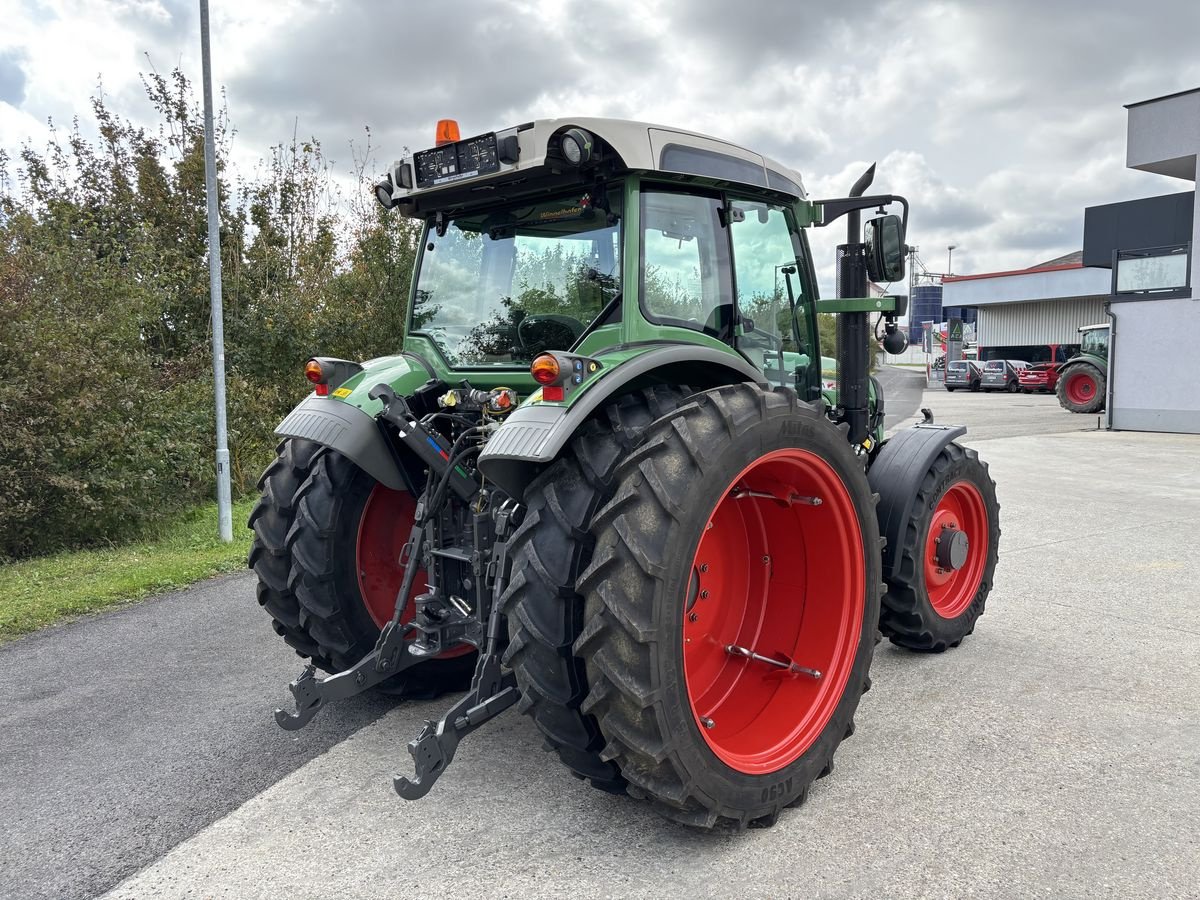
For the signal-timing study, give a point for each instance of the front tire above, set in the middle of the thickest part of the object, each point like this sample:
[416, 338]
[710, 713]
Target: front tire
[714, 541]
[938, 594]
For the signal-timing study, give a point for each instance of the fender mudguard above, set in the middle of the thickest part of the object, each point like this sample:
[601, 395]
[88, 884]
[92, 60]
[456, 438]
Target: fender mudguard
[896, 475]
[534, 435]
[348, 430]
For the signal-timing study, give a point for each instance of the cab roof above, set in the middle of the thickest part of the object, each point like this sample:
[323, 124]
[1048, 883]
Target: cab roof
[532, 149]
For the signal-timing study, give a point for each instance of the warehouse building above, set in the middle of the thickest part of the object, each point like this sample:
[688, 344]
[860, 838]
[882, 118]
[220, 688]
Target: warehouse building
[1135, 272]
[1032, 314]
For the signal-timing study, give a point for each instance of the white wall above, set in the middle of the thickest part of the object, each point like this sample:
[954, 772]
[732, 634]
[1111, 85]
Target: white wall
[1154, 382]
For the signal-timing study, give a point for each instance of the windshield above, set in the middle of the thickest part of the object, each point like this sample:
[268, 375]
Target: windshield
[498, 288]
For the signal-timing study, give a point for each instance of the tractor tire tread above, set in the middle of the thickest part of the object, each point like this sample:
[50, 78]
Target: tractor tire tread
[616, 639]
[550, 547]
[270, 520]
[905, 617]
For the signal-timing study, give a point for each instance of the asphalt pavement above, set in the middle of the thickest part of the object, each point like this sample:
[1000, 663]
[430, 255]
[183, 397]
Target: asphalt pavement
[1057, 751]
[124, 733]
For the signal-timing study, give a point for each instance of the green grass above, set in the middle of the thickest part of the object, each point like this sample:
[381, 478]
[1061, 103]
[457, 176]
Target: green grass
[35, 593]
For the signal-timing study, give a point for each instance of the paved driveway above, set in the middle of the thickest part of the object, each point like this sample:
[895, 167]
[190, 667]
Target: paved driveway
[1057, 751]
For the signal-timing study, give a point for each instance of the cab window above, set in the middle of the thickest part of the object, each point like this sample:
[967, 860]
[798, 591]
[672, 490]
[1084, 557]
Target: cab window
[685, 263]
[769, 286]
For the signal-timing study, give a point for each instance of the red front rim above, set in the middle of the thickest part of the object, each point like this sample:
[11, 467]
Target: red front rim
[1080, 388]
[386, 522]
[962, 509]
[782, 577]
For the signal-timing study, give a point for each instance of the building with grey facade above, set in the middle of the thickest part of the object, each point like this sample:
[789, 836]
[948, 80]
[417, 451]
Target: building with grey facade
[1137, 271]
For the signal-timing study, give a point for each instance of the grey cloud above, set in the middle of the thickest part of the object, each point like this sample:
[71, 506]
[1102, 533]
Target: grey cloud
[12, 78]
[349, 66]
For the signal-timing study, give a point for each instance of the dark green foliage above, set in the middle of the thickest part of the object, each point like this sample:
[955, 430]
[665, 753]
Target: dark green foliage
[106, 416]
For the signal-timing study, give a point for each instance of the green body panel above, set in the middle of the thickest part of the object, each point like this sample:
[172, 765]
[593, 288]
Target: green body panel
[405, 375]
[857, 304]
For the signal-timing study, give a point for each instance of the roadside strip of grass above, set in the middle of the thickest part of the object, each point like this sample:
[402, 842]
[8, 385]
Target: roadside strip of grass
[35, 593]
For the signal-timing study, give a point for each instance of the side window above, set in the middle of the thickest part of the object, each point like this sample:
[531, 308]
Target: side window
[770, 288]
[685, 263]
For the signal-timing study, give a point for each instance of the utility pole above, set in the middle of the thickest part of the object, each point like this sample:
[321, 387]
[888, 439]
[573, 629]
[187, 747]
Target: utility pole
[949, 257]
[224, 510]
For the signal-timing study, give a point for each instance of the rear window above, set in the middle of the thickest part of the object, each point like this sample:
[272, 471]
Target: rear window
[995, 365]
[958, 366]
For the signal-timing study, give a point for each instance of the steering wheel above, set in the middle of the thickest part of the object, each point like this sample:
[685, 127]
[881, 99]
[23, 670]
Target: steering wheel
[571, 324]
[763, 339]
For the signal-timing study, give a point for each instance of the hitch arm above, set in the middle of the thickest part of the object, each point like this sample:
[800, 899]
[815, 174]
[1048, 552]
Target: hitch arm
[312, 693]
[492, 692]
[434, 748]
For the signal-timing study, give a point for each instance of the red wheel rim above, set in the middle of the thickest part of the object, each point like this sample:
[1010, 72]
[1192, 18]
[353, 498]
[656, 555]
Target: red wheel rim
[1080, 387]
[961, 509]
[384, 528]
[785, 580]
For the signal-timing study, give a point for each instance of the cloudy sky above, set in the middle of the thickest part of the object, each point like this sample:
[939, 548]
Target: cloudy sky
[1000, 121]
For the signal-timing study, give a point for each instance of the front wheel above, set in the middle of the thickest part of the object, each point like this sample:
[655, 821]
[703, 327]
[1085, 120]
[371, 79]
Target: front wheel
[731, 604]
[948, 556]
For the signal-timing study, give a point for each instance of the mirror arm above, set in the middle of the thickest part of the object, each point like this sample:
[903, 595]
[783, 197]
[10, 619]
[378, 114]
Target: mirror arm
[832, 210]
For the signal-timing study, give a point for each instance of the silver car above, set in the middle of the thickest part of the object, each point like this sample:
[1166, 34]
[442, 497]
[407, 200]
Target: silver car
[1001, 375]
[963, 373]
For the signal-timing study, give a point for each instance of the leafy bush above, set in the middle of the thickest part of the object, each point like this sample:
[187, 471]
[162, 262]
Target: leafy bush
[106, 417]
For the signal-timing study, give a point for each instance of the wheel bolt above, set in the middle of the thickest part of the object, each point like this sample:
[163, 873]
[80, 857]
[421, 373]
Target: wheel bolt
[707, 722]
[703, 567]
[704, 595]
[692, 617]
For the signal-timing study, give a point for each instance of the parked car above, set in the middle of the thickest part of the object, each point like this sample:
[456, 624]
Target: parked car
[1002, 375]
[1039, 377]
[963, 373]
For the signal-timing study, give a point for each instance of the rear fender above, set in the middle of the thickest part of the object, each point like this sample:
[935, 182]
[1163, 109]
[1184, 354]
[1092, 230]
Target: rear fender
[896, 475]
[533, 436]
[345, 421]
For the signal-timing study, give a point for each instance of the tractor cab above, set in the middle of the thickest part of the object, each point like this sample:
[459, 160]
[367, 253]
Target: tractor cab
[585, 235]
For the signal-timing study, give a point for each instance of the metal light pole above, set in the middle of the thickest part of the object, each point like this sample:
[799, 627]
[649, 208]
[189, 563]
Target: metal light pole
[949, 257]
[224, 510]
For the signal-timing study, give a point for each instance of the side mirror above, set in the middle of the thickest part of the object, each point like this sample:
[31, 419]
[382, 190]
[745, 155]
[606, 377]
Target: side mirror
[884, 237]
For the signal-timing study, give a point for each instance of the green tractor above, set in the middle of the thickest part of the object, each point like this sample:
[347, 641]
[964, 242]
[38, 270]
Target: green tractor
[1083, 379]
[603, 482]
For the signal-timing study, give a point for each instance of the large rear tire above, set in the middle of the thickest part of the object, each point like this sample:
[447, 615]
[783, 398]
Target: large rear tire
[742, 523]
[948, 558]
[343, 536]
[271, 519]
[1081, 389]
[549, 550]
